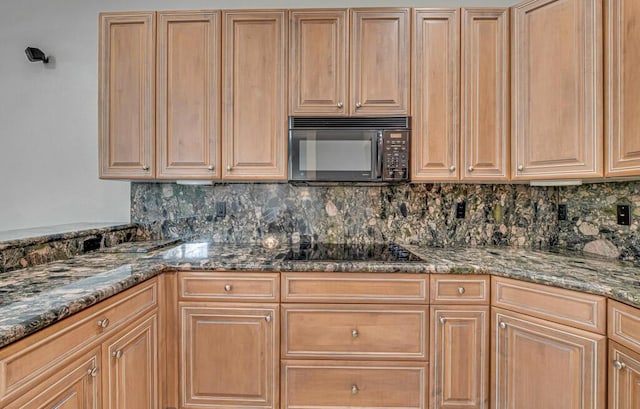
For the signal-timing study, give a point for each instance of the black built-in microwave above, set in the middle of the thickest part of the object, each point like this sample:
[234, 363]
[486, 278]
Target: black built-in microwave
[349, 149]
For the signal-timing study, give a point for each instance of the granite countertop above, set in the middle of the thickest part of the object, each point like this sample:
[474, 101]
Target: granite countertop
[33, 298]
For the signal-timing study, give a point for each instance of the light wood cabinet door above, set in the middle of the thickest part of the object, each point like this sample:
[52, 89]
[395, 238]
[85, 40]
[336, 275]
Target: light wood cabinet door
[126, 111]
[539, 364]
[484, 127]
[319, 61]
[254, 121]
[130, 361]
[459, 357]
[624, 377]
[229, 355]
[436, 84]
[380, 71]
[622, 87]
[557, 89]
[76, 386]
[188, 95]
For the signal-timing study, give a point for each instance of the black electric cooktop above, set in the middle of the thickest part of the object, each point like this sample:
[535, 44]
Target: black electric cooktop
[352, 252]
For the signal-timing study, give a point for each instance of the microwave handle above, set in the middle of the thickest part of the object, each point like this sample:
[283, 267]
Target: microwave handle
[379, 159]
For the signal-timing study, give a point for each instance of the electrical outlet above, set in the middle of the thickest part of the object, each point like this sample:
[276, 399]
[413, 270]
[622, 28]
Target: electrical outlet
[562, 212]
[221, 210]
[624, 215]
[461, 209]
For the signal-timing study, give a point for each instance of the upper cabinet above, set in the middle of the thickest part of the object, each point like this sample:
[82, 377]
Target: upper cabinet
[319, 61]
[557, 89]
[325, 81]
[188, 95]
[254, 116]
[436, 99]
[126, 95]
[484, 118]
[380, 61]
[622, 87]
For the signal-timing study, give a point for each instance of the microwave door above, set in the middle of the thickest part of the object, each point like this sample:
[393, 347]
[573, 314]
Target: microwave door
[333, 155]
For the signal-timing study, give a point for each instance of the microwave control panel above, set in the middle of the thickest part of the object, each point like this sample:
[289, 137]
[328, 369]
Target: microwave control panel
[395, 151]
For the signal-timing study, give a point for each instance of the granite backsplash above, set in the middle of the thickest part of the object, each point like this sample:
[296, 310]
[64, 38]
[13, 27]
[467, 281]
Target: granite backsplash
[502, 215]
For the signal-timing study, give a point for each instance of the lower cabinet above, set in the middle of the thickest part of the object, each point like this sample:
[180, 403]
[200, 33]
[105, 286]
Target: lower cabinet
[459, 357]
[624, 377]
[131, 367]
[76, 386]
[229, 356]
[541, 364]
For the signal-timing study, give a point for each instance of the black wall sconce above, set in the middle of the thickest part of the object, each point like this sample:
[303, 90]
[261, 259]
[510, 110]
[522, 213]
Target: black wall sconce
[36, 54]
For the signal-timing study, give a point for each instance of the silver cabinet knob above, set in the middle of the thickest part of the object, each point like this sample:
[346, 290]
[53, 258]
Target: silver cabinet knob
[619, 365]
[503, 325]
[461, 290]
[358, 105]
[452, 168]
[229, 168]
[354, 389]
[92, 372]
[117, 354]
[267, 317]
[210, 167]
[354, 333]
[520, 168]
[470, 168]
[339, 104]
[145, 167]
[443, 320]
[103, 323]
[227, 287]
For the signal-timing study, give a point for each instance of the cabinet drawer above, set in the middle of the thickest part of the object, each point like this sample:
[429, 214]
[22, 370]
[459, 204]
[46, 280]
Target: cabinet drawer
[227, 286]
[456, 289]
[335, 384]
[28, 361]
[624, 325]
[363, 331]
[567, 307]
[355, 288]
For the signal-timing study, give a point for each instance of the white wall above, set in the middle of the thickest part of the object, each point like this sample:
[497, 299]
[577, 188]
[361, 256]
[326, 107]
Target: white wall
[48, 114]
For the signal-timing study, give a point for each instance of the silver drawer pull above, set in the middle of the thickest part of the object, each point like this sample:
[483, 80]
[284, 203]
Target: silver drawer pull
[461, 290]
[267, 317]
[117, 354]
[103, 323]
[355, 333]
[227, 287]
[93, 372]
[354, 389]
[443, 320]
[503, 325]
[619, 365]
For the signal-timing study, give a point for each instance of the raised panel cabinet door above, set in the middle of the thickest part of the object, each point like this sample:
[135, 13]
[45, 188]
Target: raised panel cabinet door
[484, 127]
[254, 121]
[539, 364]
[459, 357]
[76, 386]
[126, 88]
[130, 361]
[188, 95]
[319, 61]
[622, 87]
[436, 99]
[380, 50]
[624, 377]
[229, 356]
[557, 89]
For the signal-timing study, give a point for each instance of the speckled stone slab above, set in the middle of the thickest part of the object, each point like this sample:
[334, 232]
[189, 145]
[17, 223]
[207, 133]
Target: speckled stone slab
[33, 298]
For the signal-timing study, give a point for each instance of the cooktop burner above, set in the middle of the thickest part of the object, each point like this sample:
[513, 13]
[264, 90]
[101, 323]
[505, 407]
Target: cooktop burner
[352, 252]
